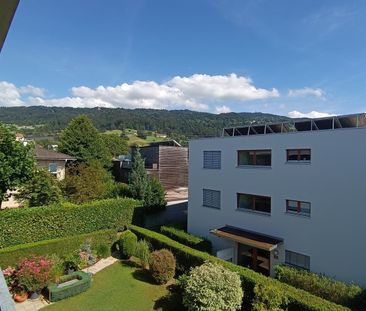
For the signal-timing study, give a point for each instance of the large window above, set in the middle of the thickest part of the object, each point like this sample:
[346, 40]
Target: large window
[297, 260]
[298, 155]
[211, 198]
[254, 203]
[298, 207]
[52, 168]
[212, 159]
[254, 157]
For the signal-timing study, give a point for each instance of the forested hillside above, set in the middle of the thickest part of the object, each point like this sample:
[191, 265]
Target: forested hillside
[175, 123]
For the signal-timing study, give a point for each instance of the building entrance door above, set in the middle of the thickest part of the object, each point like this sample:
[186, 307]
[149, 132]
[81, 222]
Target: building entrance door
[254, 258]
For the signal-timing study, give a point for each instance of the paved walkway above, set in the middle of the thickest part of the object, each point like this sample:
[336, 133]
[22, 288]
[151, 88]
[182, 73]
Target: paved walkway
[30, 305]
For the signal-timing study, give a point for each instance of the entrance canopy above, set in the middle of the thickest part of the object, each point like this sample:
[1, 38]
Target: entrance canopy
[251, 238]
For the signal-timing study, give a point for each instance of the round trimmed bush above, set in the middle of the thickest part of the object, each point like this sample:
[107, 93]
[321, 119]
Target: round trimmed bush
[127, 244]
[211, 287]
[162, 266]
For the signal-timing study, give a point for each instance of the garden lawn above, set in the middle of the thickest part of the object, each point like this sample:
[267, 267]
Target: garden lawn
[118, 287]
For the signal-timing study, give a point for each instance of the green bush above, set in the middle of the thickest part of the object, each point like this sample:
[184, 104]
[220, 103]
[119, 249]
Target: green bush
[103, 250]
[162, 266]
[27, 225]
[187, 257]
[127, 244]
[269, 298]
[211, 287]
[187, 239]
[142, 252]
[320, 285]
[62, 247]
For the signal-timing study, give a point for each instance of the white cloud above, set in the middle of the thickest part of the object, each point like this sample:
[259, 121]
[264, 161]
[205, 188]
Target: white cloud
[307, 91]
[197, 92]
[311, 114]
[222, 109]
[10, 95]
[32, 90]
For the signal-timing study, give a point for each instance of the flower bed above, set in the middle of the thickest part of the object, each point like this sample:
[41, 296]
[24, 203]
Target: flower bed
[65, 288]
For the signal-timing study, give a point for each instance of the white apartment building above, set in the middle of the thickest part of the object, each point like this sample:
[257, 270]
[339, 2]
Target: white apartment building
[291, 193]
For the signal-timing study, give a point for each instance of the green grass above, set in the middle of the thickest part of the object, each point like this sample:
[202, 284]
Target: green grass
[133, 139]
[118, 287]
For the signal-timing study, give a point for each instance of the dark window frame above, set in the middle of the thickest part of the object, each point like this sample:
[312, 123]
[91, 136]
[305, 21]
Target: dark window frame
[254, 198]
[298, 208]
[254, 151]
[298, 155]
[306, 257]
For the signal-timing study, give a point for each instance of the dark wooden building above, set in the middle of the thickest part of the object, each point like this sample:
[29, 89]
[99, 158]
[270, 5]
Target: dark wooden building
[168, 161]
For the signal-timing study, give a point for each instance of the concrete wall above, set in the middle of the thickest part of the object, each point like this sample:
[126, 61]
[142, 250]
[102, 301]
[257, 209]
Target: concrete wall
[334, 183]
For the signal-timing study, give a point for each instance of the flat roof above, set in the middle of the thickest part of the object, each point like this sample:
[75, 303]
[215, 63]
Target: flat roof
[299, 125]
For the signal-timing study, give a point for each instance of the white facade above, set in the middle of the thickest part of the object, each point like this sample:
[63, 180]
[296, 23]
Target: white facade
[333, 182]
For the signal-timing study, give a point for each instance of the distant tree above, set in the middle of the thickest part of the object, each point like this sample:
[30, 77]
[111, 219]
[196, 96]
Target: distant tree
[141, 134]
[41, 189]
[138, 178]
[115, 144]
[16, 162]
[83, 141]
[86, 182]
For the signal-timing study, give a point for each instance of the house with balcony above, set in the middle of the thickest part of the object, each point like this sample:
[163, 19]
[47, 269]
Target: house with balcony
[288, 193]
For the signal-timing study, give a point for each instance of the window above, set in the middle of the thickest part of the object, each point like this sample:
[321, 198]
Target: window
[212, 159]
[52, 168]
[254, 203]
[297, 260]
[211, 198]
[254, 157]
[298, 155]
[298, 207]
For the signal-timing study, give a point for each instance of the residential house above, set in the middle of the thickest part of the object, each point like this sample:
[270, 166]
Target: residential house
[287, 193]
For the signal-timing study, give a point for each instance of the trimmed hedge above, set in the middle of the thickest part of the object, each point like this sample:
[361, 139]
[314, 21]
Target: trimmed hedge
[187, 257]
[58, 293]
[28, 225]
[188, 239]
[349, 295]
[61, 247]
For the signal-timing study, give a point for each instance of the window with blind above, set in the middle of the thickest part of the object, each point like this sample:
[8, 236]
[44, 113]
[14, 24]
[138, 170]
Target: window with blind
[254, 203]
[212, 159]
[298, 155]
[254, 157]
[298, 207]
[297, 260]
[211, 198]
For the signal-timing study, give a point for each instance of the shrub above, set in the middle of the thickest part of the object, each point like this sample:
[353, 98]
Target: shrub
[187, 239]
[211, 287]
[58, 267]
[269, 298]
[142, 252]
[154, 199]
[61, 247]
[34, 273]
[127, 244]
[319, 285]
[103, 251]
[162, 265]
[27, 225]
[187, 257]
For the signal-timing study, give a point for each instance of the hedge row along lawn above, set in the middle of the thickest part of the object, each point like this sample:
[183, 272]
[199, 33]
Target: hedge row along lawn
[188, 239]
[27, 225]
[9, 256]
[187, 257]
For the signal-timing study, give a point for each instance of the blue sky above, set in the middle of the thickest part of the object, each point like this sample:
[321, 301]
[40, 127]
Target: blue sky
[296, 58]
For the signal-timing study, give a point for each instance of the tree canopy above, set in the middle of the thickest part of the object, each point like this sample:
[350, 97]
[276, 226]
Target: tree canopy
[17, 162]
[115, 144]
[82, 140]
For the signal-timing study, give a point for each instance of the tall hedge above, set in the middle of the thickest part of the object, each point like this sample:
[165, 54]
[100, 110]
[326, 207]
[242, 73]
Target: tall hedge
[9, 256]
[188, 257]
[27, 225]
